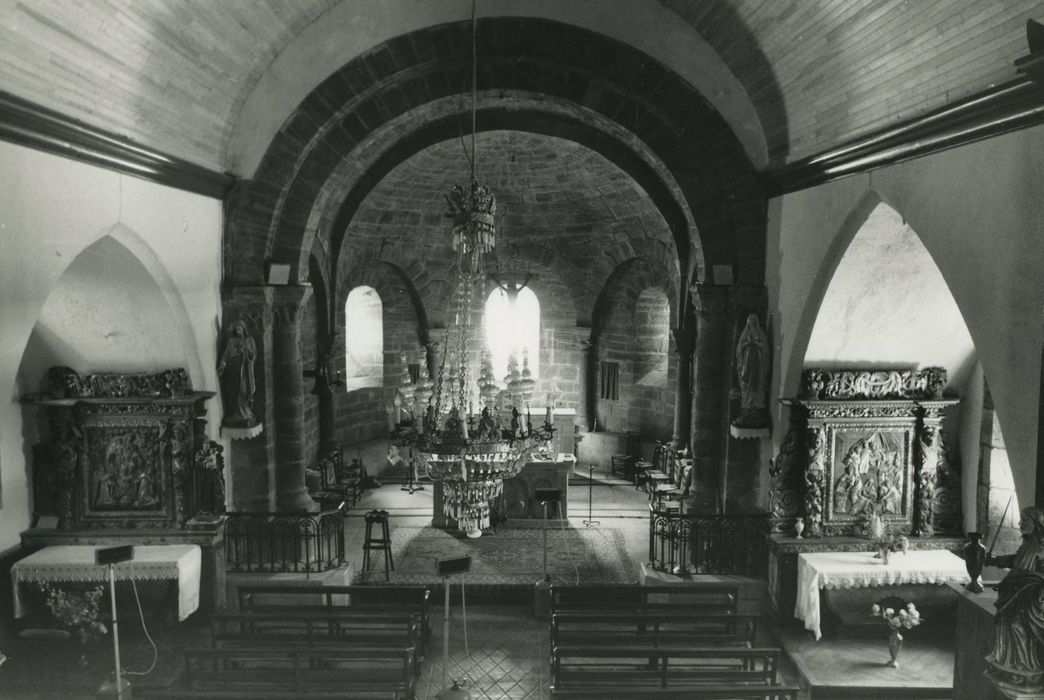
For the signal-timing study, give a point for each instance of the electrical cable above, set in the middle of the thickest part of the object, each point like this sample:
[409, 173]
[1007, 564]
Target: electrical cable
[155, 651]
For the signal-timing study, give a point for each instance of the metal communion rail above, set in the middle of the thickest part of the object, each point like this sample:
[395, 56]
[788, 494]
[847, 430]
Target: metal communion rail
[284, 542]
[696, 543]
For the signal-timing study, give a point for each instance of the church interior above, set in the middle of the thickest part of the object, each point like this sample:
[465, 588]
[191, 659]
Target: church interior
[721, 320]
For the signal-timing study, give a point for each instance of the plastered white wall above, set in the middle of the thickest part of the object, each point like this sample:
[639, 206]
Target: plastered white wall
[978, 210]
[51, 209]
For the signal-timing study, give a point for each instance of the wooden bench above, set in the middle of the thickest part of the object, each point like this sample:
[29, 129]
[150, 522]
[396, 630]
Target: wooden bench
[703, 692]
[632, 668]
[346, 629]
[653, 629]
[301, 598]
[266, 672]
[709, 597]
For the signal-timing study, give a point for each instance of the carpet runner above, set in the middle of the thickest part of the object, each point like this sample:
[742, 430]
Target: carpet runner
[510, 556]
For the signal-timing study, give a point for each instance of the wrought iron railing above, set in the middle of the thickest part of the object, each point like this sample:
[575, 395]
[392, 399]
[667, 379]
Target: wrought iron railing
[696, 543]
[284, 542]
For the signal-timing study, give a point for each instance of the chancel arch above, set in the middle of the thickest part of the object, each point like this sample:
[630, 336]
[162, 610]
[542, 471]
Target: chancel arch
[721, 197]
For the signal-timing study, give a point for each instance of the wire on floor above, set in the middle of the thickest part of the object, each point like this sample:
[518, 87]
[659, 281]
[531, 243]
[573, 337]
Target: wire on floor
[155, 651]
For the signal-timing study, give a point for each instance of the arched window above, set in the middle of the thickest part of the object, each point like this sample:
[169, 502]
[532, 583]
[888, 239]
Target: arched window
[511, 326]
[363, 339]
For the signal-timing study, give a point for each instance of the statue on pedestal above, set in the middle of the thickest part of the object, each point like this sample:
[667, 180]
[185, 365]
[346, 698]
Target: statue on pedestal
[236, 371]
[1015, 664]
[752, 369]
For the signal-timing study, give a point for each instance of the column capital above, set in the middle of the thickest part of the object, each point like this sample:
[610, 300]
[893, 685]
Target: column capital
[287, 303]
[709, 302]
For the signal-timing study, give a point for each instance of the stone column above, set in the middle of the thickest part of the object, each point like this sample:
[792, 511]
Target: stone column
[250, 461]
[291, 492]
[710, 391]
[684, 342]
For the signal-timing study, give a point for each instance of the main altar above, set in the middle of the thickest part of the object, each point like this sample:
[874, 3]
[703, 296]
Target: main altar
[862, 445]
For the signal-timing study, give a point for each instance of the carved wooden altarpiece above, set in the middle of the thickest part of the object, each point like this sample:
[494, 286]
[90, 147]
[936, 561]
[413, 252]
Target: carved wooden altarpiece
[867, 442]
[123, 450]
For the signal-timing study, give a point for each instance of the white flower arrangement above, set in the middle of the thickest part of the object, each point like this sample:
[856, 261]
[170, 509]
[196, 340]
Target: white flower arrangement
[906, 618]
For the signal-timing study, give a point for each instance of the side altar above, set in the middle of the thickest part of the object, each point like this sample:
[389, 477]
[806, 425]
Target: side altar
[126, 460]
[861, 445]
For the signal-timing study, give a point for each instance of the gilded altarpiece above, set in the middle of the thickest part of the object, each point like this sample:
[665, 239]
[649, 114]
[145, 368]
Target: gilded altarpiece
[864, 443]
[122, 451]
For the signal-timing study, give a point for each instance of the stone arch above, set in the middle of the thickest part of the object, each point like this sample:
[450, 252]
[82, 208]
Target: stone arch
[643, 98]
[646, 407]
[791, 378]
[325, 45]
[125, 238]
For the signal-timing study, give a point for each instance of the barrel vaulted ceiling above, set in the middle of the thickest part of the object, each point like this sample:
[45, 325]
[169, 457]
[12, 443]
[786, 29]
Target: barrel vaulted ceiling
[212, 82]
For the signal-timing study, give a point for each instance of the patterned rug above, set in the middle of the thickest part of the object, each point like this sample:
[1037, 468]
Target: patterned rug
[510, 556]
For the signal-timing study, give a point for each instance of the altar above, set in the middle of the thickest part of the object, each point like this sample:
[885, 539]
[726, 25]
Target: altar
[518, 500]
[75, 563]
[855, 570]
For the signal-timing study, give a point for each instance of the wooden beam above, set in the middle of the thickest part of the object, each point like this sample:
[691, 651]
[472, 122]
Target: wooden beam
[1018, 104]
[28, 124]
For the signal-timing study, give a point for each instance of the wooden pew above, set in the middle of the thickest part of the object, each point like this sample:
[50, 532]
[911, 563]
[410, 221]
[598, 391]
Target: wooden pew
[658, 628]
[263, 672]
[709, 597]
[621, 671]
[707, 692]
[345, 629]
[300, 598]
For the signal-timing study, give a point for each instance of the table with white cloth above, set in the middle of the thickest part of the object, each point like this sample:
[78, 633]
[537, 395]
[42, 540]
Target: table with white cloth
[840, 570]
[75, 563]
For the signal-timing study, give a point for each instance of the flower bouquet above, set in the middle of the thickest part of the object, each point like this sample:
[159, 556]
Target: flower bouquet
[76, 611]
[885, 542]
[898, 618]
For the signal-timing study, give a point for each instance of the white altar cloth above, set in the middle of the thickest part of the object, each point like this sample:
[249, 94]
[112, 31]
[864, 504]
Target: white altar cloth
[861, 570]
[180, 562]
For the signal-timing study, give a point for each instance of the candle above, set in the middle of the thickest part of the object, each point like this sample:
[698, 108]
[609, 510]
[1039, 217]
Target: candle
[463, 421]
[390, 410]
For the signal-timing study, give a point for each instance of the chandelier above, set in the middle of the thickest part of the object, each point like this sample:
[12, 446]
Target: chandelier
[470, 454]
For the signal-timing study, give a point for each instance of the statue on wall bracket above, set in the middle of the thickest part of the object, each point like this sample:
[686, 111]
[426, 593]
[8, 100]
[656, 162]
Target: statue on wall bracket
[236, 372]
[752, 375]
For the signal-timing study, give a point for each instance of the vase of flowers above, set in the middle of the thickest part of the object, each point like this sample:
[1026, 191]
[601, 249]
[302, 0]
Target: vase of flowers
[898, 617]
[77, 611]
[885, 542]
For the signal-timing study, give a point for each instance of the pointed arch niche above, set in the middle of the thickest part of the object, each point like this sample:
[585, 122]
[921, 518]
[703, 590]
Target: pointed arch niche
[105, 313]
[888, 306]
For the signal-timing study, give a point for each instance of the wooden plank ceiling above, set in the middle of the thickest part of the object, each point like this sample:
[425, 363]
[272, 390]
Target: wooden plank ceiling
[173, 74]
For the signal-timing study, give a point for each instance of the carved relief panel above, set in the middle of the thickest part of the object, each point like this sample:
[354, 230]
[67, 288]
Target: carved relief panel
[874, 444]
[868, 463]
[120, 451]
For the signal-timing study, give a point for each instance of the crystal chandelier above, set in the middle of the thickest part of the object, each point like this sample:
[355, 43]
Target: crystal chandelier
[469, 454]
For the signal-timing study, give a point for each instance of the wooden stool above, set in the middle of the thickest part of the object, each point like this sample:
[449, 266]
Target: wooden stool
[380, 543]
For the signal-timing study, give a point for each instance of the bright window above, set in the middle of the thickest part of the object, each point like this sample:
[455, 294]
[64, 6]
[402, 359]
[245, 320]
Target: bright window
[511, 326]
[363, 339]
